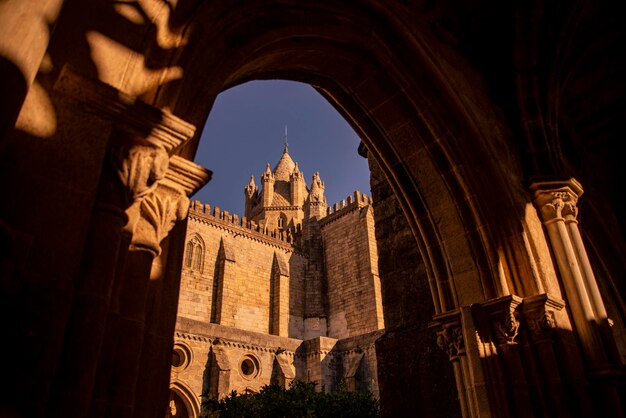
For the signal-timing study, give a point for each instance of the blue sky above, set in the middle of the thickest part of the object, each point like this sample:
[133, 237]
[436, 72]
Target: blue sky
[245, 130]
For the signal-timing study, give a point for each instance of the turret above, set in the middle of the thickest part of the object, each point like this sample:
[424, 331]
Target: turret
[252, 196]
[315, 205]
[298, 187]
[267, 181]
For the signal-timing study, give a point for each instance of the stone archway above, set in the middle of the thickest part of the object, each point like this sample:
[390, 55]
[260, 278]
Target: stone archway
[116, 94]
[182, 402]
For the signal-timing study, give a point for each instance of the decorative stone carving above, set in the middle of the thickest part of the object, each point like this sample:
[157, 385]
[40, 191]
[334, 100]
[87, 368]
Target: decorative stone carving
[539, 314]
[139, 166]
[450, 340]
[557, 202]
[160, 213]
[506, 329]
[317, 189]
[251, 190]
[544, 322]
[167, 204]
[503, 316]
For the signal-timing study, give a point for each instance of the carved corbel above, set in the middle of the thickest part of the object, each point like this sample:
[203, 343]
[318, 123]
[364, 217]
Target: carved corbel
[504, 316]
[539, 314]
[449, 333]
[450, 340]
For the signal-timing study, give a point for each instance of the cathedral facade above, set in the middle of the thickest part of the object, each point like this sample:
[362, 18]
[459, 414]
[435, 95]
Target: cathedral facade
[288, 291]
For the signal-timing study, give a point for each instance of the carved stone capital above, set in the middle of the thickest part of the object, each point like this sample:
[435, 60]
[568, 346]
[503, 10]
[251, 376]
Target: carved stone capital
[447, 327]
[159, 211]
[450, 340]
[138, 165]
[557, 199]
[539, 314]
[503, 314]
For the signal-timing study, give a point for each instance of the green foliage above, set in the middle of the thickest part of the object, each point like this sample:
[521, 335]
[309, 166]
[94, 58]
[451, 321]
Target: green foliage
[301, 400]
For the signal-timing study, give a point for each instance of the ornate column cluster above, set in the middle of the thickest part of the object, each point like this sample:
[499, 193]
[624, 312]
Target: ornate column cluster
[512, 356]
[557, 204]
[503, 356]
[143, 193]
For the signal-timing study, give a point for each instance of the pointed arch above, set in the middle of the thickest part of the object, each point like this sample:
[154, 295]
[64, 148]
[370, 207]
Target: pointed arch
[183, 396]
[194, 253]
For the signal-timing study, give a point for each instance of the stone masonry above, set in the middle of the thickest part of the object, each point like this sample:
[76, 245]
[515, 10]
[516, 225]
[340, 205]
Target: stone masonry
[288, 291]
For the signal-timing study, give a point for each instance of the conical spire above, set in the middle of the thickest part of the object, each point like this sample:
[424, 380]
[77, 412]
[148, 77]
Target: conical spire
[284, 167]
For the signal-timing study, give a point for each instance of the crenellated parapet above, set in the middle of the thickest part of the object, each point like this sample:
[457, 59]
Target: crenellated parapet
[355, 201]
[237, 224]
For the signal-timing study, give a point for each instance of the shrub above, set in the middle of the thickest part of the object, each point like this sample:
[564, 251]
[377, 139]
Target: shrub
[301, 400]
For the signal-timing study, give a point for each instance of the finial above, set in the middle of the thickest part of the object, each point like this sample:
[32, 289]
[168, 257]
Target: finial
[286, 142]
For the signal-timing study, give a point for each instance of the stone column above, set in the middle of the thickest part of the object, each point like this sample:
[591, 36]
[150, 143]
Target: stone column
[450, 339]
[153, 218]
[557, 201]
[135, 162]
[162, 300]
[539, 316]
[131, 172]
[570, 214]
[504, 321]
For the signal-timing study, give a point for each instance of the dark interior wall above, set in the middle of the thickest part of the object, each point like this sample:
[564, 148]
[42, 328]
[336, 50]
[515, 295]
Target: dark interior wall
[414, 373]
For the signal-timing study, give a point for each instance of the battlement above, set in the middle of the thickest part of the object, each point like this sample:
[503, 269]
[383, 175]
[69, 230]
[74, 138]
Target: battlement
[354, 201]
[242, 223]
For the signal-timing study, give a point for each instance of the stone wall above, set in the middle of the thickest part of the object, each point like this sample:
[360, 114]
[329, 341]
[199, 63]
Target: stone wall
[233, 285]
[351, 260]
[217, 355]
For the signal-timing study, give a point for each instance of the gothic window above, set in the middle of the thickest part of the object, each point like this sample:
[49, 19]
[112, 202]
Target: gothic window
[197, 258]
[189, 254]
[194, 254]
[281, 221]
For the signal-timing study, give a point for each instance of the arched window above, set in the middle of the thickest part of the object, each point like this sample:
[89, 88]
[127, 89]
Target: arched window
[197, 258]
[189, 254]
[194, 253]
[282, 221]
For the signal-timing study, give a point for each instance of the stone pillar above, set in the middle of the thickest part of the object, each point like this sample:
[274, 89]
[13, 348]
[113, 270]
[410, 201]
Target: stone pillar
[131, 174]
[557, 201]
[162, 300]
[508, 366]
[450, 339]
[153, 218]
[539, 316]
[134, 164]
